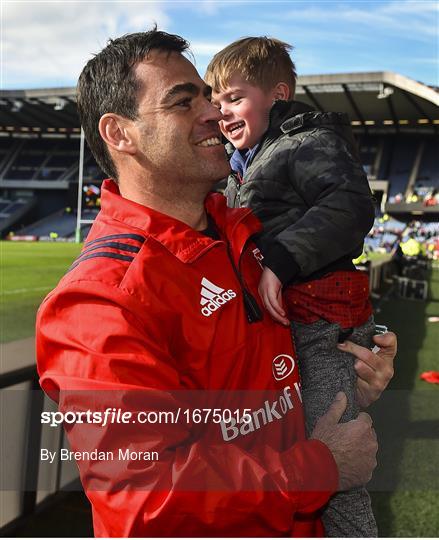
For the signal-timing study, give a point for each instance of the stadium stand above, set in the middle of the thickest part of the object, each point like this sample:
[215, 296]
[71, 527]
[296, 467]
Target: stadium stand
[428, 175]
[62, 223]
[383, 235]
[401, 162]
[14, 210]
[44, 159]
[396, 123]
[395, 119]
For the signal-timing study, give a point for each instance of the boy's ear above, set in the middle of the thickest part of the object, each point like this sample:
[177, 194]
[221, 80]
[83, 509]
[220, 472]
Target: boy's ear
[281, 92]
[118, 133]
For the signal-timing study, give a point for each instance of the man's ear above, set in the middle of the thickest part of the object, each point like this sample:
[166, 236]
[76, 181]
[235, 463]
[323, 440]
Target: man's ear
[115, 131]
[281, 92]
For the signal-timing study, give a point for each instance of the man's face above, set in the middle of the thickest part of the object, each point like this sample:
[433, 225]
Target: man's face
[177, 129]
[246, 111]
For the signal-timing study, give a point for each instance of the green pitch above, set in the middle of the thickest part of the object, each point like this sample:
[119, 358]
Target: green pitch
[406, 419]
[29, 270]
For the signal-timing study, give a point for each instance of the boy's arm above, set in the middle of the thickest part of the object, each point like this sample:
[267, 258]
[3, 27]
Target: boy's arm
[270, 291]
[333, 184]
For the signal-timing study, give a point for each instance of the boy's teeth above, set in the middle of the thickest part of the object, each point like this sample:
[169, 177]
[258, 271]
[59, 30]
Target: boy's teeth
[237, 126]
[210, 142]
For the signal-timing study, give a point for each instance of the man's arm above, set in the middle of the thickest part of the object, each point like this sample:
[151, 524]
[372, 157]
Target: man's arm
[89, 345]
[333, 184]
[355, 467]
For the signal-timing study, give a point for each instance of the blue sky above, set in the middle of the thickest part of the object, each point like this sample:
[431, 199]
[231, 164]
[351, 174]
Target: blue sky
[46, 43]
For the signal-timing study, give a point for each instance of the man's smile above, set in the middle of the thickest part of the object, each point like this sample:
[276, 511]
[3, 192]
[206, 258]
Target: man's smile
[210, 141]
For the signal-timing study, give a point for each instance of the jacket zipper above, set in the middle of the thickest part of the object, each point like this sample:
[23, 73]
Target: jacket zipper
[252, 309]
[239, 181]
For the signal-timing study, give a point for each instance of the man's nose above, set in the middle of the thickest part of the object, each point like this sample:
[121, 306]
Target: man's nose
[211, 113]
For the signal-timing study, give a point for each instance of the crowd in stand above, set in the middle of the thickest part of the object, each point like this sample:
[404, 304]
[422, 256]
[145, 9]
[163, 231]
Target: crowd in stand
[426, 195]
[415, 238]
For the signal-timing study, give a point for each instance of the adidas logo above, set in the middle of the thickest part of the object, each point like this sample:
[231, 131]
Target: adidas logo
[213, 297]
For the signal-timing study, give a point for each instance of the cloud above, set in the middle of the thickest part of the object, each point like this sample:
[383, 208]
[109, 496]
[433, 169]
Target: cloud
[416, 19]
[48, 43]
[201, 48]
[209, 7]
[418, 60]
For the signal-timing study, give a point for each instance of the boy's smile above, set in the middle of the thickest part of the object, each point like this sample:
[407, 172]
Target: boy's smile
[245, 109]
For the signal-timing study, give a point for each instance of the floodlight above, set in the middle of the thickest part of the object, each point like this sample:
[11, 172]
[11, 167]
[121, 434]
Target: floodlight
[60, 104]
[385, 92]
[16, 106]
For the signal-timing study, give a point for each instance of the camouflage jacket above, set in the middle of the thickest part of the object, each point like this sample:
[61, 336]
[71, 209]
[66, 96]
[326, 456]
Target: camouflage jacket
[307, 186]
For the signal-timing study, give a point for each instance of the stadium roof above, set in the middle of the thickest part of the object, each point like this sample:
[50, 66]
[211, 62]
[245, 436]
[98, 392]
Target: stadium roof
[46, 110]
[375, 101]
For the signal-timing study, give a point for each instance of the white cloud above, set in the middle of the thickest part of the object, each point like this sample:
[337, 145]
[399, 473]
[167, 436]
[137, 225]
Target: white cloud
[418, 60]
[200, 48]
[48, 43]
[213, 8]
[209, 7]
[416, 19]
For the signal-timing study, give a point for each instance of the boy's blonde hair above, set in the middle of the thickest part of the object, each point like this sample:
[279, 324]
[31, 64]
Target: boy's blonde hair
[261, 61]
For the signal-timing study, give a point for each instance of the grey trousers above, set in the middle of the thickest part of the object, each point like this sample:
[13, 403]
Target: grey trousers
[325, 370]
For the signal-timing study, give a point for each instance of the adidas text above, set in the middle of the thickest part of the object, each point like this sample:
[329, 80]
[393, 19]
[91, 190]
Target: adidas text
[216, 302]
[213, 297]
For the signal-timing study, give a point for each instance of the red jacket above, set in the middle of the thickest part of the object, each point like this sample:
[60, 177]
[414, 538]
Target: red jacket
[153, 305]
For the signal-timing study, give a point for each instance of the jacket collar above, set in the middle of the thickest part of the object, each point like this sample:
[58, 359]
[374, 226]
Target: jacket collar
[283, 110]
[280, 112]
[291, 116]
[235, 225]
[241, 158]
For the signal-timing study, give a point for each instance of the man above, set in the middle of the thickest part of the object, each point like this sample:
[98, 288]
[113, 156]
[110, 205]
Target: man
[160, 314]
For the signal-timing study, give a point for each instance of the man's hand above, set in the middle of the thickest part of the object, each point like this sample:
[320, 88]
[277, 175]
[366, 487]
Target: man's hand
[270, 291]
[374, 369]
[353, 444]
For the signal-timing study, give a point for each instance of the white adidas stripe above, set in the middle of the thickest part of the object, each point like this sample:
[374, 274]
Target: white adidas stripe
[209, 291]
[209, 285]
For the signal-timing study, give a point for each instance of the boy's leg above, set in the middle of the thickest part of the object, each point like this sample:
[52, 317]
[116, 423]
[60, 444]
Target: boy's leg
[325, 370]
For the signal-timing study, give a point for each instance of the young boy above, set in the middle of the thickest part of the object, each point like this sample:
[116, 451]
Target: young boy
[299, 171]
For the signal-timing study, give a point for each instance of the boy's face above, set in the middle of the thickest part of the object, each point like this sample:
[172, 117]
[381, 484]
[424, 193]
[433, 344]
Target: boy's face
[245, 109]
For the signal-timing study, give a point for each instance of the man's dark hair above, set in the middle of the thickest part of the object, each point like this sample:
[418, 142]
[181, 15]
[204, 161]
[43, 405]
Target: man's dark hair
[108, 84]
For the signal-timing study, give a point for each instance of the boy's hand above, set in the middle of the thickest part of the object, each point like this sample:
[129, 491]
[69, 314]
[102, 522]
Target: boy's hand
[374, 369]
[270, 290]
